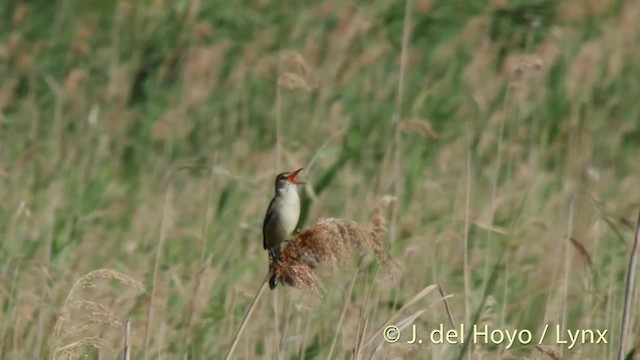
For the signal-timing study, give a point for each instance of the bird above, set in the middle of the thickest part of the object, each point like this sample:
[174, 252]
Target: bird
[282, 216]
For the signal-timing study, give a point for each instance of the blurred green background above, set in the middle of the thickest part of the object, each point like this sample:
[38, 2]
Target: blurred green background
[101, 100]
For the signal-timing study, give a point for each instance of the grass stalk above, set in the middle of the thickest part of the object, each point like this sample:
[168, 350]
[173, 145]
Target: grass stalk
[278, 126]
[286, 313]
[127, 341]
[397, 120]
[276, 322]
[494, 185]
[424, 292]
[567, 266]
[628, 295]
[247, 315]
[467, 292]
[345, 304]
[161, 239]
[362, 328]
[201, 263]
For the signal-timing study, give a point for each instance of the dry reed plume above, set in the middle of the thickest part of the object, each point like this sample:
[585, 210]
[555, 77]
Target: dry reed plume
[84, 323]
[330, 241]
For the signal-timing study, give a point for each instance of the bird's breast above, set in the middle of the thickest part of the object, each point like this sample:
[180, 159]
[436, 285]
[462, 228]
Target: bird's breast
[289, 212]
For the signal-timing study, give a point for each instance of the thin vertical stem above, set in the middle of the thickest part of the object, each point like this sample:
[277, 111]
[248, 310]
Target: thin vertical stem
[278, 130]
[247, 316]
[201, 263]
[276, 323]
[397, 120]
[345, 304]
[127, 341]
[467, 292]
[567, 266]
[161, 239]
[628, 295]
[205, 223]
[494, 186]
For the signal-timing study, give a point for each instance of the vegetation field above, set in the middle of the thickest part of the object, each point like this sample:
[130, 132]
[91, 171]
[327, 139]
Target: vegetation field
[495, 142]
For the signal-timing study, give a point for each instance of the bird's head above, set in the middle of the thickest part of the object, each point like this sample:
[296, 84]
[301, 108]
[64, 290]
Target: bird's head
[286, 179]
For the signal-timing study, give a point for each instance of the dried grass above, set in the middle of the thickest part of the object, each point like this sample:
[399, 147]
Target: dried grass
[330, 241]
[81, 322]
[488, 316]
[551, 352]
[96, 342]
[89, 280]
[628, 296]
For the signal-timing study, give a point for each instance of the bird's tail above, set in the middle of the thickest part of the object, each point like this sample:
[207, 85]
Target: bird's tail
[274, 257]
[273, 280]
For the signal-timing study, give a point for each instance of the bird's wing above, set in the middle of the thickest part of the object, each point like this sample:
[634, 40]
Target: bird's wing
[267, 218]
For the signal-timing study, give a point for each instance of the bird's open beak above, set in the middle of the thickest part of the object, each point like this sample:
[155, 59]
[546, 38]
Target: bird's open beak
[292, 177]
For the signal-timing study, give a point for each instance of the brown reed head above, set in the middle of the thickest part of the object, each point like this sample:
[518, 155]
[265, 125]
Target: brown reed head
[330, 241]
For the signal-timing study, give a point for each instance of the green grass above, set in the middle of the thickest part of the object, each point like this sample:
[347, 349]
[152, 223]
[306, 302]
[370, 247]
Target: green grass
[100, 100]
